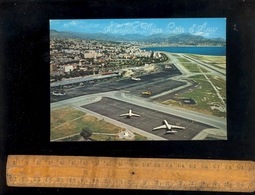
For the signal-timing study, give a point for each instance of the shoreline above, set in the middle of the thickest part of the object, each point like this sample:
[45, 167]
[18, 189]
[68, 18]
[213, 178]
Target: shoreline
[183, 46]
[188, 50]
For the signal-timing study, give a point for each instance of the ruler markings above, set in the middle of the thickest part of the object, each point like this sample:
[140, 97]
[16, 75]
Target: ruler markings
[130, 173]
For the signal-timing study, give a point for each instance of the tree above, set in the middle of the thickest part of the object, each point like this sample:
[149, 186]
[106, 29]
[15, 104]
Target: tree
[86, 133]
[59, 77]
[82, 73]
[152, 53]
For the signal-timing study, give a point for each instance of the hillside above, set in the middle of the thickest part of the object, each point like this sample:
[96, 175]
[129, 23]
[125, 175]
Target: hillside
[183, 38]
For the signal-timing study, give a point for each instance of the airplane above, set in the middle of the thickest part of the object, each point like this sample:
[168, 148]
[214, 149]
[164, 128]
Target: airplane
[57, 93]
[136, 79]
[168, 127]
[129, 114]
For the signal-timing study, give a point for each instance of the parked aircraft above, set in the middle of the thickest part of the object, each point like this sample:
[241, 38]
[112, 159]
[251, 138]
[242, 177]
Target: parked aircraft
[129, 114]
[136, 79]
[168, 127]
[57, 93]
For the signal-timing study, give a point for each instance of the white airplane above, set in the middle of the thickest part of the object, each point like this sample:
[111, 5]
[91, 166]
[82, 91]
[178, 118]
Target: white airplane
[57, 93]
[136, 79]
[129, 114]
[168, 127]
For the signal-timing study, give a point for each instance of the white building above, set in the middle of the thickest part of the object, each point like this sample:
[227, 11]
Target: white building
[68, 68]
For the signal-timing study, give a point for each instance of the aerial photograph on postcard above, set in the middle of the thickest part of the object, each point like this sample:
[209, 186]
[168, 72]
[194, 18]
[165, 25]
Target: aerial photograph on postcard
[137, 79]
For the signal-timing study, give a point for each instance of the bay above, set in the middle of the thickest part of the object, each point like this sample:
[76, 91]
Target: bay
[215, 51]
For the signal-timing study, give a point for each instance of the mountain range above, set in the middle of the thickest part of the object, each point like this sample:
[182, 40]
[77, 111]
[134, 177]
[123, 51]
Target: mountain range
[183, 38]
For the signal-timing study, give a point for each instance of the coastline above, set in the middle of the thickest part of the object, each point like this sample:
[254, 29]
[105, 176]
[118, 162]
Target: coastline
[149, 46]
[204, 50]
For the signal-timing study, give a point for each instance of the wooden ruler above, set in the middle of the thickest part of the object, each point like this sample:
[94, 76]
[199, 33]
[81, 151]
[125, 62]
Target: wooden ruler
[130, 173]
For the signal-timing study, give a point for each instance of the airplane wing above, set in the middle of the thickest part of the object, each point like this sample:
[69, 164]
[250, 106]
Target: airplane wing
[124, 114]
[170, 132]
[160, 127]
[135, 114]
[177, 127]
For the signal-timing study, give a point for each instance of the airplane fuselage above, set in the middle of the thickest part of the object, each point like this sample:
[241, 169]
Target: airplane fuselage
[130, 113]
[136, 79]
[167, 125]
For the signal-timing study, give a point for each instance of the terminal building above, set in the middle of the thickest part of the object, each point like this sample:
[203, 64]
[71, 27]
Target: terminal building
[86, 79]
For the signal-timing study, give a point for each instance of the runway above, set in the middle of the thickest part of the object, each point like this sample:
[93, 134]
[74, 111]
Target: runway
[156, 83]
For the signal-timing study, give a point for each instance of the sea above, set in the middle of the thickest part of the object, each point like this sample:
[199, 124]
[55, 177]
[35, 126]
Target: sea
[215, 51]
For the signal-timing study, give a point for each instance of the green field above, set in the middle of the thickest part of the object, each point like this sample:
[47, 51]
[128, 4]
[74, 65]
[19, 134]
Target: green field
[216, 61]
[204, 95]
[104, 138]
[67, 123]
[57, 118]
[207, 100]
[194, 68]
[183, 59]
[220, 83]
[116, 138]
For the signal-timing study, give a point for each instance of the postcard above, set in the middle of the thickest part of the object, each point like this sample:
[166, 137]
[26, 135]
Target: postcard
[138, 79]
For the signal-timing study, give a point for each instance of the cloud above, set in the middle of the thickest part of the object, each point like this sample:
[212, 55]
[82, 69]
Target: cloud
[54, 22]
[70, 24]
[91, 26]
[204, 34]
[82, 25]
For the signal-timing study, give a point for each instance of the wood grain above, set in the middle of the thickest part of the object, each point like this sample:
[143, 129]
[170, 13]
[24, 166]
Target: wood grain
[130, 173]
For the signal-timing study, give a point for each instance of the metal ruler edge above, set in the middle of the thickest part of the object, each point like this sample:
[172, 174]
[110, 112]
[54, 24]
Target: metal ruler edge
[130, 173]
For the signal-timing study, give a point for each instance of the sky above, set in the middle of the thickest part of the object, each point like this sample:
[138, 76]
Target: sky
[207, 27]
